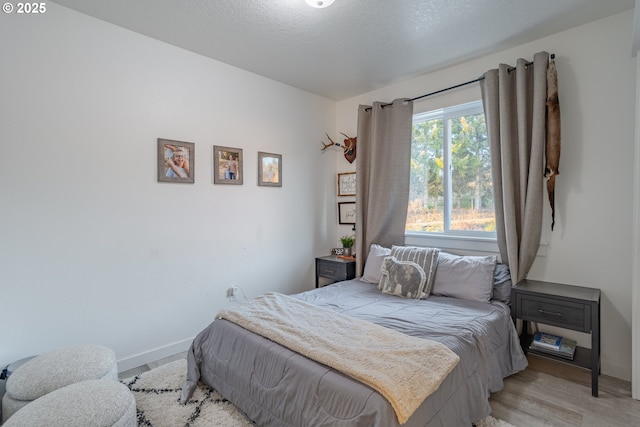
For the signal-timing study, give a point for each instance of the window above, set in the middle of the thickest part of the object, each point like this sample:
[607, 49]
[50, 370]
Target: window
[451, 190]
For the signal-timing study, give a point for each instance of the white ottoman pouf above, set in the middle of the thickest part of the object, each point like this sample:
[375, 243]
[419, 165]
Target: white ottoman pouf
[56, 369]
[93, 403]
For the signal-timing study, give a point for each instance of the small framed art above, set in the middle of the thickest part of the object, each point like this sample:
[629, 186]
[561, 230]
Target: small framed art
[176, 161]
[269, 169]
[347, 213]
[347, 184]
[227, 165]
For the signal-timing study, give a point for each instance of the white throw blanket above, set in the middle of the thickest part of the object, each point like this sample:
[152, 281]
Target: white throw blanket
[403, 369]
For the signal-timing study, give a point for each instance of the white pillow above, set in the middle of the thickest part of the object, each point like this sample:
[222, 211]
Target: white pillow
[373, 266]
[464, 277]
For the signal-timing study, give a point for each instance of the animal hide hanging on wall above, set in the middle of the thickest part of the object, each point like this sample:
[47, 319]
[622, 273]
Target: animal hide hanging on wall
[553, 136]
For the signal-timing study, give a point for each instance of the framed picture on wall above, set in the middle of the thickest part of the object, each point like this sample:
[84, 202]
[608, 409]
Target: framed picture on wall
[347, 184]
[176, 161]
[227, 165]
[269, 169]
[347, 213]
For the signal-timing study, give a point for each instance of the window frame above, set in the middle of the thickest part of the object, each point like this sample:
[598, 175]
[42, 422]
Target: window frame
[446, 114]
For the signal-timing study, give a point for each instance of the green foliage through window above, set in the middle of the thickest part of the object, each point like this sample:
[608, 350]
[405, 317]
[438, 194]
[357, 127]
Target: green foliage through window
[450, 187]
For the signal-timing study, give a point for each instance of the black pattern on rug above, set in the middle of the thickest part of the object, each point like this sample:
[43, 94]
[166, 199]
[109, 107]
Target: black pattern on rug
[142, 419]
[158, 392]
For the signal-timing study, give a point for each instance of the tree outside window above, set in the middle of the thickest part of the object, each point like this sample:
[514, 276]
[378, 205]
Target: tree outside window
[450, 184]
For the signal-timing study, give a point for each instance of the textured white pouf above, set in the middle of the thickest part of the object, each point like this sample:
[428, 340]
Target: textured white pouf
[53, 370]
[99, 403]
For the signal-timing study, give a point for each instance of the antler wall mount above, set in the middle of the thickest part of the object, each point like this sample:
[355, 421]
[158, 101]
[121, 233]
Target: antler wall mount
[348, 146]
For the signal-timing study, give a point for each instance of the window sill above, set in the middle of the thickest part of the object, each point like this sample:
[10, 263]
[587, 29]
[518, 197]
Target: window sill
[449, 242]
[461, 244]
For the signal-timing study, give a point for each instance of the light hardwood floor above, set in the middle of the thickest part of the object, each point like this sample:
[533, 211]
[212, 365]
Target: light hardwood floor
[550, 393]
[547, 393]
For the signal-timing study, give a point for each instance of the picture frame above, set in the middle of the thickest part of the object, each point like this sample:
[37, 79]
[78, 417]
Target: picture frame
[176, 161]
[347, 213]
[347, 184]
[269, 169]
[227, 165]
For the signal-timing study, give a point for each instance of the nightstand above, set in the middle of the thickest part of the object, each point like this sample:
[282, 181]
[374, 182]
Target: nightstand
[568, 307]
[332, 267]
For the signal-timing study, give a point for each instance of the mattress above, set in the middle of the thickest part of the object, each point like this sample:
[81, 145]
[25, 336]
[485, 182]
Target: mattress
[275, 386]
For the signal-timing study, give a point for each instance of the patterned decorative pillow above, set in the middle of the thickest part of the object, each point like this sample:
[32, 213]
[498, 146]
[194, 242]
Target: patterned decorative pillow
[402, 278]
[425, 258]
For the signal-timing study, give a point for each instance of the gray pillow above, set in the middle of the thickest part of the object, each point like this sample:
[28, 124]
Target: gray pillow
[402, 278]
[372, 268]
[426, 258]
[465, 277]
[502, 283]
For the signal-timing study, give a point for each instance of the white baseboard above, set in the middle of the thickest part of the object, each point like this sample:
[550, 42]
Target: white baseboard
[153, 355]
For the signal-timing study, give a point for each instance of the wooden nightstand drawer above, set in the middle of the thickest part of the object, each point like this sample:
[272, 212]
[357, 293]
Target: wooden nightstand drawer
[551, 311]
[332, 270]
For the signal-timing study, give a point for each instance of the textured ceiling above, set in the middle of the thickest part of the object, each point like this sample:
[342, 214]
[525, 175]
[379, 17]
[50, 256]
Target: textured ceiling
[353, 46]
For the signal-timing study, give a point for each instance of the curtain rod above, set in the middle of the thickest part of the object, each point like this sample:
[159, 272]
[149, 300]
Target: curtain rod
[553, 55]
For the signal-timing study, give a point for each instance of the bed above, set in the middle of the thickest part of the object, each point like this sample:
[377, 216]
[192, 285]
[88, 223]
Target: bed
[275, 386]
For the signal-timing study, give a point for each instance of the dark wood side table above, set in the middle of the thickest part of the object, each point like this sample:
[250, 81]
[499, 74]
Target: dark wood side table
[565, 306]
[332, 267]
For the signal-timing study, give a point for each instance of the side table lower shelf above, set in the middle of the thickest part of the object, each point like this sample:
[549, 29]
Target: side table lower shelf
[581, 358]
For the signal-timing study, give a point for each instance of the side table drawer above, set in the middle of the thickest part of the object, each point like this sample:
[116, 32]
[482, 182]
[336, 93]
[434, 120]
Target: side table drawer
[551, 311]
[332, 270]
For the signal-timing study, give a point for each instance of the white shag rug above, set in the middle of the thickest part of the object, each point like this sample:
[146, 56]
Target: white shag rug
[157, 394]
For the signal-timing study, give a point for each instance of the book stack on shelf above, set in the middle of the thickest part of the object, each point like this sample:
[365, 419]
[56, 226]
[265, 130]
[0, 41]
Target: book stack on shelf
[553, 344]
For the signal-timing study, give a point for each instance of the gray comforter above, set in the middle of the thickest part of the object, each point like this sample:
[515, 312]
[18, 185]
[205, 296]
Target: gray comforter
[275, 386]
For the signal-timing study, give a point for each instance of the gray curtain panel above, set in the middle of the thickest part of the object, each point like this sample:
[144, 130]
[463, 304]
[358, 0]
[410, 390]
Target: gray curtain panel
[515, 107]
[383, 166]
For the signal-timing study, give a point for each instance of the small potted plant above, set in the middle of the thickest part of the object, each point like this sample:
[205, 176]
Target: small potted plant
[347, 243]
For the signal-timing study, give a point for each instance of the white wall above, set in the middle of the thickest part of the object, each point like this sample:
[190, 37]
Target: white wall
[592, 241]
[93, 248]
[635, 275]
